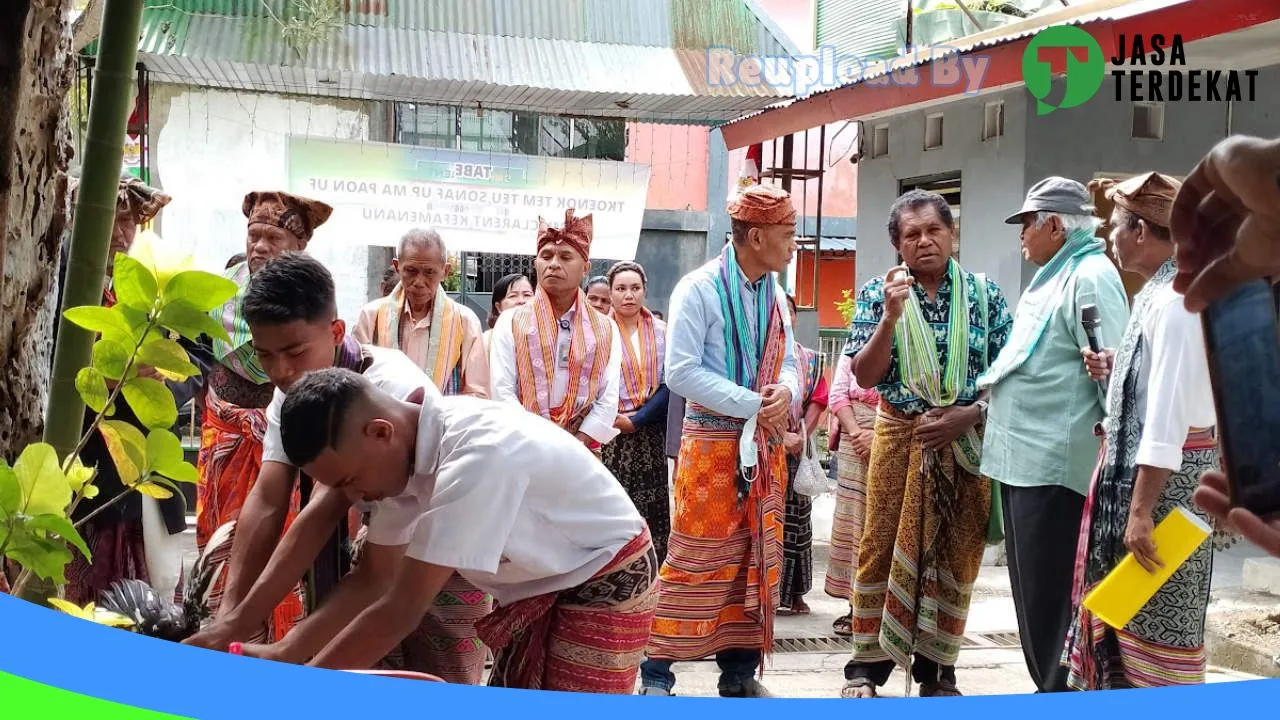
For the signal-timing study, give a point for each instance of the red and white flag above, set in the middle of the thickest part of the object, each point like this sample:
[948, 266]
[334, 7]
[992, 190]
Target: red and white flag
[750, 167]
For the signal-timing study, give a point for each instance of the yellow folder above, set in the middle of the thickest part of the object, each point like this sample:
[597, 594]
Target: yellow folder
[1127, 588]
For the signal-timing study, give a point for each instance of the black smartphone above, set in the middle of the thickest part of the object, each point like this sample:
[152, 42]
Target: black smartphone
[1242, 338]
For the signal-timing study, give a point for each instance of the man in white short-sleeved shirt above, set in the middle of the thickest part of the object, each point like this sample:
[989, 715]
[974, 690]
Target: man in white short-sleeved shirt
[292, 314]
[519, 508]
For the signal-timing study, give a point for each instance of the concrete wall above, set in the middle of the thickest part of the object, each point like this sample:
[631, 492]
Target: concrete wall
[213, 146]
[991, 177]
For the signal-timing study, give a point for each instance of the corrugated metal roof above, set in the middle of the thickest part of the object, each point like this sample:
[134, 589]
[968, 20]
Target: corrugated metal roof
[864, 28]
[641, 59]
[1111, 10]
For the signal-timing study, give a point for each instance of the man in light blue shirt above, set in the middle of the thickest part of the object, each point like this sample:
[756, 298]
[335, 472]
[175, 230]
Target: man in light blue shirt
[730, 354]
[1040, 443]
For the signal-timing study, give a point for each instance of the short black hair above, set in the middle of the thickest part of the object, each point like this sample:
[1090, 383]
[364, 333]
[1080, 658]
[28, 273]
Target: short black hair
[313, 411]
[291, 287]
[914, 200]
[627, 266]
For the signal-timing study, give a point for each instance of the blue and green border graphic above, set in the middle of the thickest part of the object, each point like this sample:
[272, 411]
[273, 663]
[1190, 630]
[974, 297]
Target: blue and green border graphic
[56, 667]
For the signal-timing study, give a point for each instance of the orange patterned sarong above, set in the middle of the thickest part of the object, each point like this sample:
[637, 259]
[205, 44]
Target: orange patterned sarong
[711, 584]
[229, 462]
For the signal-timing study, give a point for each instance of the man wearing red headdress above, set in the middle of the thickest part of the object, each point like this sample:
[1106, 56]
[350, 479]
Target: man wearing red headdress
[730, 354]
[234, 423]
[557, 356]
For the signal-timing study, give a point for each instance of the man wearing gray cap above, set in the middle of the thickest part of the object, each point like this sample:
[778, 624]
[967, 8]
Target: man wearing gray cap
[1040, 443]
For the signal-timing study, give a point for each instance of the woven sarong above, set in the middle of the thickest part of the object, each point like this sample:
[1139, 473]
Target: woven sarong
[1163, 644]
[894, 541]
[588, 639]
[637, 460]
[229, 462]
[711, 583]
[851, 503]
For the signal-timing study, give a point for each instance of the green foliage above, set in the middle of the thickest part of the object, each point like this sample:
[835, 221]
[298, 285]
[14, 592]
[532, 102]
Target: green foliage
[846, 307]
[136, 343]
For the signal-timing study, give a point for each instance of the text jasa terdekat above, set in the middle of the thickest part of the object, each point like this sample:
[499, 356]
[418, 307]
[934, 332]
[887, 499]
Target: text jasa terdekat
[1137, 54]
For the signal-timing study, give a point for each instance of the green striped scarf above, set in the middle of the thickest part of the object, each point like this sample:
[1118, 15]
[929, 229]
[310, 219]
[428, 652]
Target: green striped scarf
[918, 358]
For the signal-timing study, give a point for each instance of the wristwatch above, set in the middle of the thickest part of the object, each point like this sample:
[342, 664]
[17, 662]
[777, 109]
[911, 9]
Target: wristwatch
[982, 407]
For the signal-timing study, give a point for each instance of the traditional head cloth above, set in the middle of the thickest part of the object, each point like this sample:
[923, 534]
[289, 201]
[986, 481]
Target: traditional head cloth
[576, 233]
[1149, 196]
[140, 200]
[298, 215]
[763, 205]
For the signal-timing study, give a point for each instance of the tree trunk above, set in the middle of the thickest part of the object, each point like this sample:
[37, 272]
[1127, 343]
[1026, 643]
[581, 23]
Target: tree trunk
[33, 206]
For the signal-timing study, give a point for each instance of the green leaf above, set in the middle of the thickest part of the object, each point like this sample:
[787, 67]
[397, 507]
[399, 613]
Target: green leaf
[134, 284]
[60, 526]
[46, 558]
[44, 488]
[92, 387]
[153, 490]
[128, 449]
[165, 354]
[79, 475]
[95, 318]
[152, 402]
[110, 358]
[166, 457]
[203, 291]
[191, 322]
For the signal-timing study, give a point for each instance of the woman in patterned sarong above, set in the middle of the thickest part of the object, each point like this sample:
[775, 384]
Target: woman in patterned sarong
[855, 411]
[797, 526]
[637, 456]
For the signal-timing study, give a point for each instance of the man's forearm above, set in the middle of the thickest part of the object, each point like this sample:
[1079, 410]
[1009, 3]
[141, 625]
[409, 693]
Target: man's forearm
[296, 552]
[1147, 489]
[257, 531]
[356, 592]
[372, 635]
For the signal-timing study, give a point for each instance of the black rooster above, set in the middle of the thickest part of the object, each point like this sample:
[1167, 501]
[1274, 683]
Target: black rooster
[159, 617]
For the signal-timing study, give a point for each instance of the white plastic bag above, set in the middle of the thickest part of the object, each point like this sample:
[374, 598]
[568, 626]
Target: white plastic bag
[811, 479]
[164, 551]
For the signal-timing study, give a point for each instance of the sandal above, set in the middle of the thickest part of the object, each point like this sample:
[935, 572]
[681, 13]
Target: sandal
[843, 626]
[858, 689]
[942, 688]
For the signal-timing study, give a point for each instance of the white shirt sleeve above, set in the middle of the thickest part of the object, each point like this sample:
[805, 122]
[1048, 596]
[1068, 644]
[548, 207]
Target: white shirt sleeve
[272, 445]
[599, 422]
[472, 512]
[1178, 390]
[686, 376]
[392, 520]
[502, 361]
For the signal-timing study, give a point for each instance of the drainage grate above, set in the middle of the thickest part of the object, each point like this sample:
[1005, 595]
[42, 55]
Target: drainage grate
[1006, 639]
[828, 644]
[835, 644]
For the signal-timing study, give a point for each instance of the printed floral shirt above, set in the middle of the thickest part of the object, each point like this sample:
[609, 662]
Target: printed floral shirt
[987, 336]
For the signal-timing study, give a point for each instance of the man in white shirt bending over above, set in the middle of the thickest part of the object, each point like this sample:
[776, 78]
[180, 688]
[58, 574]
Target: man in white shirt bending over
[520, 509]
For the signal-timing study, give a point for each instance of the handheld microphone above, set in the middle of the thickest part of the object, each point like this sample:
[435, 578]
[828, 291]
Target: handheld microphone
[1091, 320]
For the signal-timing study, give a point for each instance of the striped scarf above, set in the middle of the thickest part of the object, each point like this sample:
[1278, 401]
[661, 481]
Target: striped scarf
[642, 373]
[536, 324]
[443, 354]
[238, 356]
[918, 359]
[809, 370]
[742, 348]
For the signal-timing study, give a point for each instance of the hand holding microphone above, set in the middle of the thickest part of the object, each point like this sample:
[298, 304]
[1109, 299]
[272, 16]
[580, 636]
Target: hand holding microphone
[1097, 360]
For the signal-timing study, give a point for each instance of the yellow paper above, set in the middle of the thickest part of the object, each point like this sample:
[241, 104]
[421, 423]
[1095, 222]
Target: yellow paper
[1129, 587]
